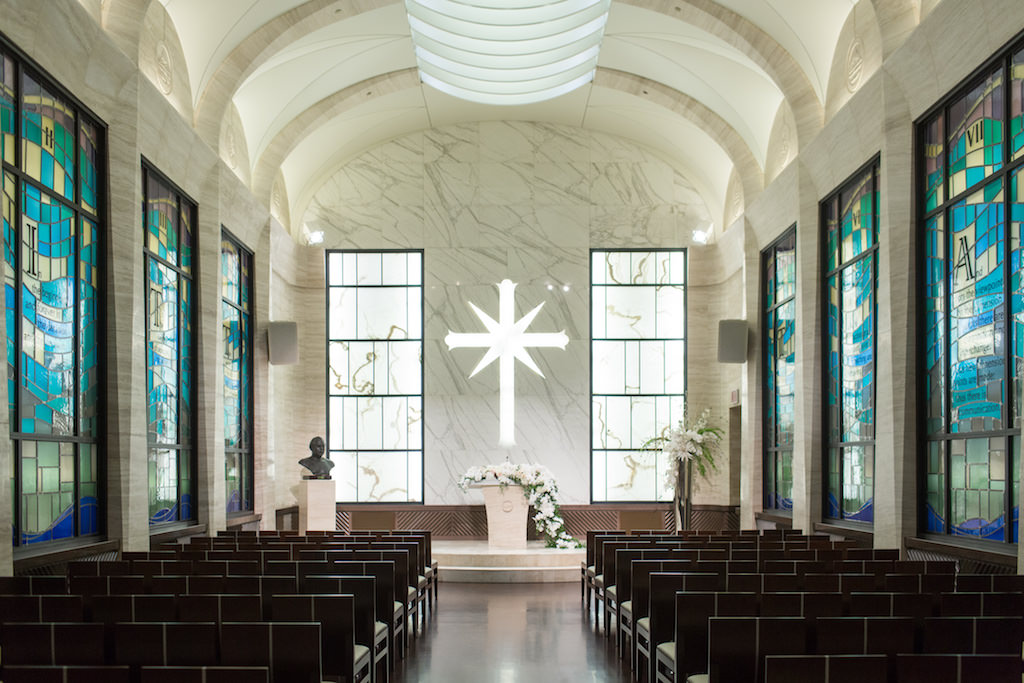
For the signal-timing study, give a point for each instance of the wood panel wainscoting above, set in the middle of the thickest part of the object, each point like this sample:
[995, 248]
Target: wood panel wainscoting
[469, 522]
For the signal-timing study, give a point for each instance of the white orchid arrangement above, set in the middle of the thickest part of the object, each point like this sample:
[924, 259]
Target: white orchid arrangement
[541, 491]
[695, 443]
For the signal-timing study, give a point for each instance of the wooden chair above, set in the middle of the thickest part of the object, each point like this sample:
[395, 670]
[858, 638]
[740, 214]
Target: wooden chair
[204, 674]
[825, 668]
[50, 643]
[291, 651]
[138, 644]
[67, 674]
[336, 614]
[220, 608]
[958, 668]
[738, 646]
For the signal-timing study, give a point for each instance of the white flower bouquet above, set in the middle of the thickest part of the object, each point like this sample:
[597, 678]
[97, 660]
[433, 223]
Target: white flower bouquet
[541, 491]
[687, 446]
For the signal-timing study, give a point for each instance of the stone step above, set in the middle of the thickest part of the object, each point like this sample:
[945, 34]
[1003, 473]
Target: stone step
[536, 574]
[551, 558]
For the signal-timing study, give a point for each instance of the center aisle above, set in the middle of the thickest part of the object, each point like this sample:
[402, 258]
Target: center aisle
[511, 633]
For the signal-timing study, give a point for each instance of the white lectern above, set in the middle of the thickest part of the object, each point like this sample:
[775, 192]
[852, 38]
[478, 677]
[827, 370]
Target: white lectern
[316, 505]
[507, 515]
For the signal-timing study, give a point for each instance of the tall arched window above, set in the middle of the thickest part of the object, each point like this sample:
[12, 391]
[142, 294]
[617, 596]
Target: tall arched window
[53, 221]
[236, 319]
[849, 217]
[169, 220]
[778, 273]
[970, 149]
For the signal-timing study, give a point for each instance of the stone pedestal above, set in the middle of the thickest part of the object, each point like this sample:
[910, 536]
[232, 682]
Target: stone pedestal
[507, 516]
[316, 505]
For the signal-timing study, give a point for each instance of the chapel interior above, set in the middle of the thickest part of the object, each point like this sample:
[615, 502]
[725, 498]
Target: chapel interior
[231, 227]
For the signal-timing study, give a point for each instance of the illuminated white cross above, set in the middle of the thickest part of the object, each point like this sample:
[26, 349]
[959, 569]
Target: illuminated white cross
[506, 340]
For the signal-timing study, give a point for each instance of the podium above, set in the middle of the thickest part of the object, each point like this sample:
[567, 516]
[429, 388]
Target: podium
[507, 515]
[316, 505]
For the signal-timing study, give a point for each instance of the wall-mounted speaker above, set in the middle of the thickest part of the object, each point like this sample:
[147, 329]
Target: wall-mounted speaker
[732, 341]
[283, 342]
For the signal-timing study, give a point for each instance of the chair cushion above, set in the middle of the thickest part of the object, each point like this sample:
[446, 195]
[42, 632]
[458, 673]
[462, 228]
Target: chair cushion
[361, 657]
[667, 652]
[422, 581]
[379, 627]
[698, 678]
[428, 572]
[599, 580]
[412, 593]
[643, 625]
[590, 570]
[611, 592]
[627, 608]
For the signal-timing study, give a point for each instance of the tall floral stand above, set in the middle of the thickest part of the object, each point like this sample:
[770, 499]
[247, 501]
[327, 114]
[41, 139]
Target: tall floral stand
[681, 504]
[507, 515]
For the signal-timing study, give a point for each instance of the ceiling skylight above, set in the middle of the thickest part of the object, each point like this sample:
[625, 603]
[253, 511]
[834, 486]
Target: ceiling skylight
[507, 51]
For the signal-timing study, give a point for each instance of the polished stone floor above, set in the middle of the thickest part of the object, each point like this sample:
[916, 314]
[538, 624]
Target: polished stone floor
[511, 633]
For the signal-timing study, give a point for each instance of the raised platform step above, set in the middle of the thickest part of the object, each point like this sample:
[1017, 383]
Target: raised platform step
[475, 562]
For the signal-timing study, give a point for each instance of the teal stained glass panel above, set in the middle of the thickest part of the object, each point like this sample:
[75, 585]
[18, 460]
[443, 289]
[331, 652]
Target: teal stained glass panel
[771, 389]
[232, 324]
[188, 221]
[233, 483]
[784, 493]
[934, 158]
[187, 357]
[977, 315]
[834, 379]
[48, 139]
[230, 271]
[10, 295]
[935, 324]
[857, 217]
[161, 220]
[1017, 105]
[47, 315]
[785, 372]
[978, 487]
[88, 489]
[935, 487]
[785, 267]
[163, 486]
[88, 329]
[857, 343]
[7, 99]
[1016, 183]
[245, 392]
[162, 356]
[88, 166]
[975, 146]
[858, 483]
[47, 506]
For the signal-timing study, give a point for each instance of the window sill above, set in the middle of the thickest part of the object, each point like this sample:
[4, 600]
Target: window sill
[987, 552]
[33, 557]
[169, 535]
[242, 518]
[862, 533]
[779, 517]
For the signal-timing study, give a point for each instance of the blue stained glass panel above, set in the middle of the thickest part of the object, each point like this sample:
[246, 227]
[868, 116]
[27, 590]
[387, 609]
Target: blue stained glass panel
[48, 138]
[785, 267]
[230, 270]
[188, 220]
[161, 220]
[231, 321]
[1017, 105]
[935, 488]
[934, 158]
[163, 486]
[47, 315]
[977, 315]
[10, 296]
[187, 357]
[935, 324]
[857, 343]
[88, 329]
[162, 354]
[858, 484]
[88, 490]
[975, 146]
[832, 318]
[1016, 183]
[857, 207]
[978, 487]
[88, 170]
[785, 371]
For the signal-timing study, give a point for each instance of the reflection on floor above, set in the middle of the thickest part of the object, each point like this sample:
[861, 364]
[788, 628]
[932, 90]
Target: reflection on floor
[511, 633]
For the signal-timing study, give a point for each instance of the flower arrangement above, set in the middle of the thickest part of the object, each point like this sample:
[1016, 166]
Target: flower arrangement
[695, 445]
[541, 491]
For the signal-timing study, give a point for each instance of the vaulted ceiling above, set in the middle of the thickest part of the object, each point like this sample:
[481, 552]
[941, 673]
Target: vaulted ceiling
[725, 90]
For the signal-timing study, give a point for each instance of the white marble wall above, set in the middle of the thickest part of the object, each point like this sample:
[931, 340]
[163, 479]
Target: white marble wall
[525, 201]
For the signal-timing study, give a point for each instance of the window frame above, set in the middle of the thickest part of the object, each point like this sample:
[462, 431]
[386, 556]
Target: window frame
[328, 340]
[1001, 62]
[247, 450]
[685, 251]
[771, 450]
[99, 216]
[872, 253]
[148, 168]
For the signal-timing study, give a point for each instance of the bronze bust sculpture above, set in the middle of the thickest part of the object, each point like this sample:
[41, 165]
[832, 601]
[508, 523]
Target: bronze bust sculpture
[316, 463]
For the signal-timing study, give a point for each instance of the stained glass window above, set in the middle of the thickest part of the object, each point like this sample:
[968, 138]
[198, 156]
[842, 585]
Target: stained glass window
[850, 220]
[170, 349]
[638, 369]
[375, 374]
[779, 282]
[52, 231]
[236, 319]
[974, 306]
